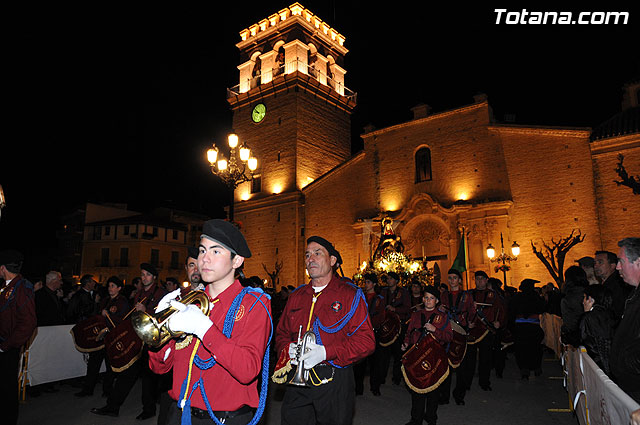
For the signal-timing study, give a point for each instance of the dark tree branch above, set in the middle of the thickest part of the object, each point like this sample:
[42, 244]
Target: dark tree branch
[553, 255]
[632, 182]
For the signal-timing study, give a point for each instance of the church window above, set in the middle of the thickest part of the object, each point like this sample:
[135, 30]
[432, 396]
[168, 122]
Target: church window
[423, 165]
[256, 184]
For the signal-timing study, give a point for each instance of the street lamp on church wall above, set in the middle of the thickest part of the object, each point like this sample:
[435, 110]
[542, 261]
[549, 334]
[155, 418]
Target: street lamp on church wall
[503, 259]
[235, 171]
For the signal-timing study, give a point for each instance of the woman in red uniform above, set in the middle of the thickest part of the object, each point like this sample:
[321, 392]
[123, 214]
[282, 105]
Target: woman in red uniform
[429, 320]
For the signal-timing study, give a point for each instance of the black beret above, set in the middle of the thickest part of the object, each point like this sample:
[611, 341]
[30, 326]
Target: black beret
[528, 284]
[228, 235]
[481, 273]
[456, 272]
[116, 281]
[11, 256]
[328, 246]
[148, 267]
[192, 252]
[394, 275]
[433, 291]
[371, 276]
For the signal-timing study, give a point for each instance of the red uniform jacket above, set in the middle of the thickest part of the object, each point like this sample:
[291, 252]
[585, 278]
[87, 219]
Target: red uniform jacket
[117, 308]
[496, 312]
[344, 347]
[443, 332]
[232, 381]
[151, 297]
[375, 303]
[400, 300]
[17, 313]
[460, 305]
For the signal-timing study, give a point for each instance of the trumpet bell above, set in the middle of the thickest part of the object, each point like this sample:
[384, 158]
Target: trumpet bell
[153, 329]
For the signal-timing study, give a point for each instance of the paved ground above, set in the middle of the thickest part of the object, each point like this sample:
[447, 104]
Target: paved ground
[512, 401]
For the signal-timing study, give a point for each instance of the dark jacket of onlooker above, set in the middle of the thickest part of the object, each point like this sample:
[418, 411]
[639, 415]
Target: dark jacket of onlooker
[624, 360]
[571, 304]
[81, 306]
[49, 308]
[596, 326]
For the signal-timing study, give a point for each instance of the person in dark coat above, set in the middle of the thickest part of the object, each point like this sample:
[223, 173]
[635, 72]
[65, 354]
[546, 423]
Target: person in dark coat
[525, 309]
[624, 361]
[49, 306]
[575, 280]
[605, 269]
[82, 304]
[596, 326]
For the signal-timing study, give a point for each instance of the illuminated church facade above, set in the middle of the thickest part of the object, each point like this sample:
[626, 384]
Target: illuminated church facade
[433, 175]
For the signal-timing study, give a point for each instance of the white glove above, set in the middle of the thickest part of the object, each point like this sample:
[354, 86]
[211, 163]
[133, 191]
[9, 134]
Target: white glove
[293, 350]
[314, 355]
[189, 319]
[164, 302]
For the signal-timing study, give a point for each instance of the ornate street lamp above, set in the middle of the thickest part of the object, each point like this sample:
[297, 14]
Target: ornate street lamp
[503, 258]
[238, 169]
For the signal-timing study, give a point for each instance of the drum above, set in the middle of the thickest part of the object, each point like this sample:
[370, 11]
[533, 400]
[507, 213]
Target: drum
[88, 334]
[477, 333]
[123, 346]
[458, 346]
[425, 365]
[389, 329]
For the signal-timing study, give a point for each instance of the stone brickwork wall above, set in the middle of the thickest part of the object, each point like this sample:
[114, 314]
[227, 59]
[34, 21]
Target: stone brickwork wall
[618, 207]
[273, 234]
[551, 181]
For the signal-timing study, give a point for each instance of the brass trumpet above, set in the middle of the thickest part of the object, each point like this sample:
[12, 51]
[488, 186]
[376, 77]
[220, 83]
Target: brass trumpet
[153, 329]
[302, 376]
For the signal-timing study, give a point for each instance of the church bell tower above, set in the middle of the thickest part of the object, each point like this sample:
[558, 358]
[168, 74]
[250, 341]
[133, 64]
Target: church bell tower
[291, 107]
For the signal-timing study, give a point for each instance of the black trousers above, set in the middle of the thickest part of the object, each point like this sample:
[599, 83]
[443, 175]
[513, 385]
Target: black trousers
[9, 364]
[328, 404]
[174, 417]
[393, 350]
[480, 351]
[445, 388]
[93, 370]
[424, 406]
[374, 364]
[125, 380]
[528, 346]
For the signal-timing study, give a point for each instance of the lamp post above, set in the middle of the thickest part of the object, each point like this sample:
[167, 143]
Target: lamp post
[503, 258]
[238, 169]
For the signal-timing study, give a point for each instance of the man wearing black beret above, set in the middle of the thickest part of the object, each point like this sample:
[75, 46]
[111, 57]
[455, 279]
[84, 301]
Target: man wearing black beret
[460, 308]
[335, 311]
[225, 350]
[17, 323]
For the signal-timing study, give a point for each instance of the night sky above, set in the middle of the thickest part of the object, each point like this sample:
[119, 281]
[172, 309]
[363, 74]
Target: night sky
[113, 103]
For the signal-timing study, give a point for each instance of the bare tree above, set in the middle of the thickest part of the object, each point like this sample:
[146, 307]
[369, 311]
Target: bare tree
[630, 181]
[274, 274]
[553, 255]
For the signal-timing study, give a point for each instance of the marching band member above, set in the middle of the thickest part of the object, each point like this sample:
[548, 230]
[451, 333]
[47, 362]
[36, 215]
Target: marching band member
[425, 323]
[335, 311]
[460, 307]
[215, 371]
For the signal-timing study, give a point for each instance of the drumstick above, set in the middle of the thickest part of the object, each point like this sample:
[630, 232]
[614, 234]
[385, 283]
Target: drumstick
[111, 321]
[133, 309]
